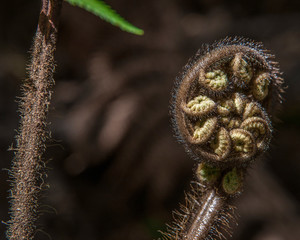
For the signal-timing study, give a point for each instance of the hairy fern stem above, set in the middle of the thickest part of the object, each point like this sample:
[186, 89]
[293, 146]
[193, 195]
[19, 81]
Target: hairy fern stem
[28, 169]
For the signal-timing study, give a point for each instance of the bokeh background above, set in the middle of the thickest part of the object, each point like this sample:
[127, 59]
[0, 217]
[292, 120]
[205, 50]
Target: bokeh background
[115, 170]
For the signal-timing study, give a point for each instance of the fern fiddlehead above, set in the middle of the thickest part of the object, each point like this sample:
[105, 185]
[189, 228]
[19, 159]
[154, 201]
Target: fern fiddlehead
[221, 111]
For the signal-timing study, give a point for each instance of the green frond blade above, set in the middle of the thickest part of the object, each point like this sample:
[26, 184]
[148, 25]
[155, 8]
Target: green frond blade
[104, 11]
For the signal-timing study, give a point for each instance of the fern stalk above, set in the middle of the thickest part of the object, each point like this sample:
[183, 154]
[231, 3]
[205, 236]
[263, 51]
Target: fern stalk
[28, 169]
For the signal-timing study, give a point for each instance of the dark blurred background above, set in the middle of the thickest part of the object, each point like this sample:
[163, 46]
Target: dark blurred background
[115, 170]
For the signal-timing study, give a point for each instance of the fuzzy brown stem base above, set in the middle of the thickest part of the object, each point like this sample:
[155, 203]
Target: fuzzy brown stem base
[28, 169]
[205, 216]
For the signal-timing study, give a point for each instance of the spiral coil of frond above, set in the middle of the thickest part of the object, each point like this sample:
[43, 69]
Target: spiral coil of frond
[221, 113]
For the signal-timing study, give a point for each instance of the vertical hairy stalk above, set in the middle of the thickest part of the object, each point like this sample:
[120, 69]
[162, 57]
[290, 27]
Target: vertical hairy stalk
[28, 169]
[204, 212]
[221, 108]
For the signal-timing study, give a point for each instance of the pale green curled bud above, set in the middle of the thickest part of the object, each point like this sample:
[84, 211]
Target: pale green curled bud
[203, 130]
[234, 123]
[221, 144]
[243, 143]
[261, 86]
[225, 107]
[216, 80]
[239, 103]
[200, 105]
[251, 110]
[207, 173]
[260, 130]
[232, 181]
[242, 70]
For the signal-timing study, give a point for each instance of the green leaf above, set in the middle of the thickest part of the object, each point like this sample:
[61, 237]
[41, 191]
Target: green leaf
[102, 10]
